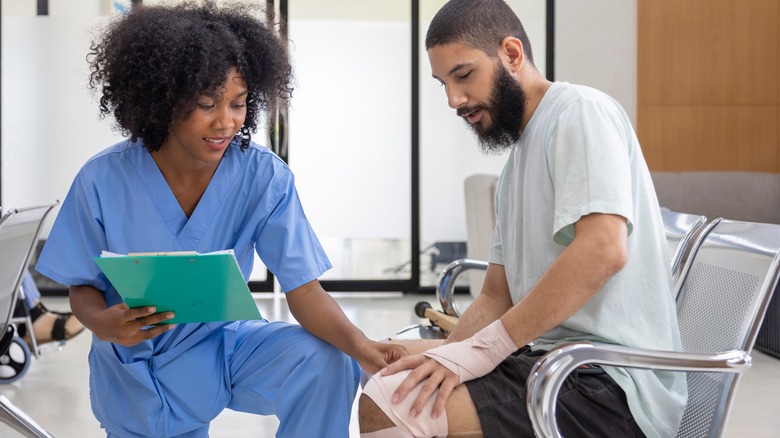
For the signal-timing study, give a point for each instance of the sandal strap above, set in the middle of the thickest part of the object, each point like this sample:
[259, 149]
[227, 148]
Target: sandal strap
[37, 311]
[46, 309]
[58, 329]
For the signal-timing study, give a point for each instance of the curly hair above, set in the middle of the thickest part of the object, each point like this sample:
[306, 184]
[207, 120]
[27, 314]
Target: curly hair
[153, 63]
[480, 24]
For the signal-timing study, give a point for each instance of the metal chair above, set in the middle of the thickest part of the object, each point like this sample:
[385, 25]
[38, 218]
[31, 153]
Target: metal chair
[681, 230]
[726, 286]
[19, 230]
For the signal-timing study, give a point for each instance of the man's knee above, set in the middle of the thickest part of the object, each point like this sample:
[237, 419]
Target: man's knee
[371, 417]
[381, 414]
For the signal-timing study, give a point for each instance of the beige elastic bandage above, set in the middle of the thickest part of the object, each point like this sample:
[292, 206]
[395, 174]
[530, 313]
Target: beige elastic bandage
[381, 388]
[478, 355]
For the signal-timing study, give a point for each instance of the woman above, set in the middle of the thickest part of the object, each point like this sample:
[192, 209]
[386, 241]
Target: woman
[186, 84]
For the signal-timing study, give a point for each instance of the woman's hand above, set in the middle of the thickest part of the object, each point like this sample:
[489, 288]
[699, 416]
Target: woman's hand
[375, 356]
[125, 326]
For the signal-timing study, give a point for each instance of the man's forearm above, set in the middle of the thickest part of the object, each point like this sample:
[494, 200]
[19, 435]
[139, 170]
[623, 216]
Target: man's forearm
[490, 304]
[573, 279]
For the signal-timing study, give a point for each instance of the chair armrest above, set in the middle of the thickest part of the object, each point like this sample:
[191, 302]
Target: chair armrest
[549, 373]
[445, 284]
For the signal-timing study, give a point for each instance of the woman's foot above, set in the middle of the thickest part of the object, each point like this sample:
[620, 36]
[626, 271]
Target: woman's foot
[51, 326]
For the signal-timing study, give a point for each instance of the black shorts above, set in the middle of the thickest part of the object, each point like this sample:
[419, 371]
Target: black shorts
[590, 403]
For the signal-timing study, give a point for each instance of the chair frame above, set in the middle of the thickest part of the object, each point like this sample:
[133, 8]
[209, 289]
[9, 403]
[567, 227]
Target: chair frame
[9, 413]
[550, 372]
[685, 228]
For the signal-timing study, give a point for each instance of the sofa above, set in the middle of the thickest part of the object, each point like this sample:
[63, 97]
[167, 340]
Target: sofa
[744, 196]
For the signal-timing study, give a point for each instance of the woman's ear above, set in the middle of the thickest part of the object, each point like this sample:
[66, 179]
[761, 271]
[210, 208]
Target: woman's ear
[511, 53]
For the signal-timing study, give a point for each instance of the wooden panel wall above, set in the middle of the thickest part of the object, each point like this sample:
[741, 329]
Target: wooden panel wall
[709, 84]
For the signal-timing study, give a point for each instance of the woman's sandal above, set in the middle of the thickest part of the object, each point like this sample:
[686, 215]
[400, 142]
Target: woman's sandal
[63, 326]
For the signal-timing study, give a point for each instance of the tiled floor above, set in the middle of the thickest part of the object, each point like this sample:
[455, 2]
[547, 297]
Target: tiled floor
[54, 390]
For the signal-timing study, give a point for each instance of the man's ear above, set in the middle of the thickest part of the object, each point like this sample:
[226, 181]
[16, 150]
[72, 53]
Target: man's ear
[511, 53]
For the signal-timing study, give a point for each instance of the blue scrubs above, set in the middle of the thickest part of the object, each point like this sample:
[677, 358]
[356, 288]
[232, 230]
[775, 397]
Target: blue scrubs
[31, 291]
[176, 383]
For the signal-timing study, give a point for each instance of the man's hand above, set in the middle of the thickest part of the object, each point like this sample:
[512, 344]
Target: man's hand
[431, 375]
[448, 365]
[374, 356]
[125, 326]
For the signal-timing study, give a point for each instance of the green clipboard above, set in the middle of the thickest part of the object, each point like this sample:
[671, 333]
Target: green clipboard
[196, 287]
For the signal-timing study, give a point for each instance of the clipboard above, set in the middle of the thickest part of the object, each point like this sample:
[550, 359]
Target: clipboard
[196, 287]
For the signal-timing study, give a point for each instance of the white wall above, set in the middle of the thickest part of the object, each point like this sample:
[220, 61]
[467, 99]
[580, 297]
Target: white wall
[50, 123]
[596, 45]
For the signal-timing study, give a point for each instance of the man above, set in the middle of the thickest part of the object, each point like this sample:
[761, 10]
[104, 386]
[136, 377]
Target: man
[578, 253]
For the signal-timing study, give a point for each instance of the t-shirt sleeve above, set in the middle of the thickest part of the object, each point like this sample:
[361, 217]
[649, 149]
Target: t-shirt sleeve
[287, 243]
[496, 250]
[589, 159]
[76, 238]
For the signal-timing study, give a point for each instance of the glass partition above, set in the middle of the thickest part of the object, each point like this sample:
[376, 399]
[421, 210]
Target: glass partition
[349, 133]
[379, 158]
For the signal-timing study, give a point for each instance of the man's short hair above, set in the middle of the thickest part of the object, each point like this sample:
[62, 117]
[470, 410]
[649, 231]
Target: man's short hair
[480, 24]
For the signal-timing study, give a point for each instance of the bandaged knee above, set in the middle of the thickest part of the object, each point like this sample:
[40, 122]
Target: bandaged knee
[391, 432]
[478, 355]
[381, 388]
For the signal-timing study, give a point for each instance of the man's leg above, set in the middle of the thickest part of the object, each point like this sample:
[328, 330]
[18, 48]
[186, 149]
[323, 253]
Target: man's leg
[589, 405]
[462, 420]
[460, 413]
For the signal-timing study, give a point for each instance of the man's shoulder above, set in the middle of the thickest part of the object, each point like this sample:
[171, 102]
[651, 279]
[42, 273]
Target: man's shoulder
[566, 93]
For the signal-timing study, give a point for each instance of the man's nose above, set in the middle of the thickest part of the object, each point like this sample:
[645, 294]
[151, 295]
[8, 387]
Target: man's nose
[456, 98]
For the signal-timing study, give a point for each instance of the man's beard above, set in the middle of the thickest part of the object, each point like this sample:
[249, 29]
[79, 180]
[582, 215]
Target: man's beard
[506, 110]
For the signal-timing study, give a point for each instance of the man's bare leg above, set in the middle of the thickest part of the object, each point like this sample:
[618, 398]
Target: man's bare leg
[462, 419]
[416, 346]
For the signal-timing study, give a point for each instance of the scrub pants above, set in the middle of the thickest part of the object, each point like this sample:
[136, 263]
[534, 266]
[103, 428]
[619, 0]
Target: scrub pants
[31, 292]
[274, 369]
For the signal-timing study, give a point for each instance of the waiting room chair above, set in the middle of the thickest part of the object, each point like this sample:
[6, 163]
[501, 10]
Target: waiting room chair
[681, 230]
[724, 292]
[19, 230]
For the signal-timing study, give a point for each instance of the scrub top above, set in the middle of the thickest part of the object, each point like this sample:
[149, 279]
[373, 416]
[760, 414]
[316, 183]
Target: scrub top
[120, 202]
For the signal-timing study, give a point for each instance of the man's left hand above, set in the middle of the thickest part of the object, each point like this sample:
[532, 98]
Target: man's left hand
[431, 375]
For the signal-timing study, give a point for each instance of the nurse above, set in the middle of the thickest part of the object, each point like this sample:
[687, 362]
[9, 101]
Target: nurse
[186, 85]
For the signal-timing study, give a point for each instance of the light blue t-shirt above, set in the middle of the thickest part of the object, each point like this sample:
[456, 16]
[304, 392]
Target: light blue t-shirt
[579, 155]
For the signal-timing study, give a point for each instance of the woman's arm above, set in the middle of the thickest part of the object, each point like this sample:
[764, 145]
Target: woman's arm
[319, 314]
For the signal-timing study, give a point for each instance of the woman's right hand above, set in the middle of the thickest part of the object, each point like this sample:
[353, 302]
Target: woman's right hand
[125, 326]
[119, 323]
